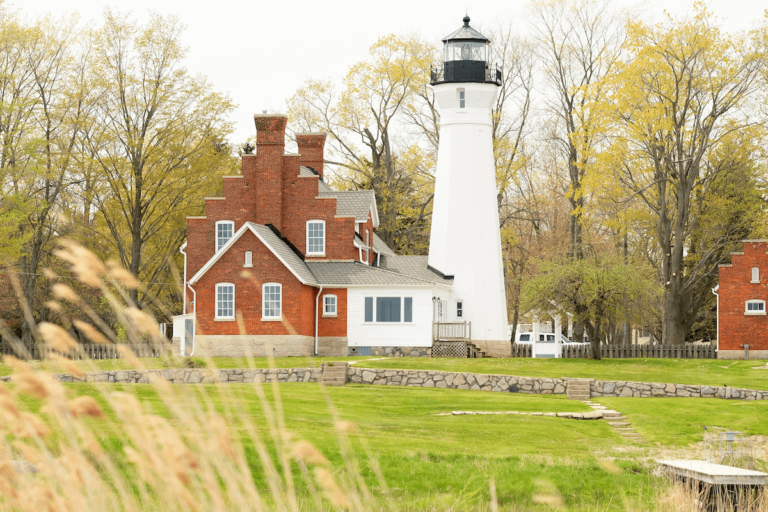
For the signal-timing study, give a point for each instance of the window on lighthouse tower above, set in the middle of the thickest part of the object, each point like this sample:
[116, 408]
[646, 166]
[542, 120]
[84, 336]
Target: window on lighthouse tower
[462, 98]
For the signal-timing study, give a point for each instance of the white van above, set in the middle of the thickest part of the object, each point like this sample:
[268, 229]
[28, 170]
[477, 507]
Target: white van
[527, 338]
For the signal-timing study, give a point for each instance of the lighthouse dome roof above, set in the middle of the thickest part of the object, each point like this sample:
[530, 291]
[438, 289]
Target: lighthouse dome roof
[465, 33]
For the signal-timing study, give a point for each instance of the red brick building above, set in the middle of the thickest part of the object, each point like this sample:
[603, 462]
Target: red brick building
[741, 297]
[284, 264]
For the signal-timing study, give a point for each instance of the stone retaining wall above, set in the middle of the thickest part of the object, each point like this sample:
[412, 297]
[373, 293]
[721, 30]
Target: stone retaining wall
[455, 380]
[195, 376]
[544, 386]
[421, 378]
[655, 389]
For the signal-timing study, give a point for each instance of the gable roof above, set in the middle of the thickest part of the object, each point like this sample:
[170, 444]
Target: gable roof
[354, 273]
[277, 246]
[380, 247]
[414, 266]
[357, 203]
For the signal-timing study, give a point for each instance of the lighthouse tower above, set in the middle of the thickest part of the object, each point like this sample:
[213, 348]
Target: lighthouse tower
[465, 241]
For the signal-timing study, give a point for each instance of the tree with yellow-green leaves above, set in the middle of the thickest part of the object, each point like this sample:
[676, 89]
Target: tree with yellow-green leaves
[158, 146]
[365, 124]
[680, 143]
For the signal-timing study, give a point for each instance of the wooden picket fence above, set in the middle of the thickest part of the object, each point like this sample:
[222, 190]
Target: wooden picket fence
[629, 350]
[523, 350]
[89, 350]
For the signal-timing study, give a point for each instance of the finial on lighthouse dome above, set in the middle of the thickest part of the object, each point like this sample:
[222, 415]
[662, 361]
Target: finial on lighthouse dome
[466, 20]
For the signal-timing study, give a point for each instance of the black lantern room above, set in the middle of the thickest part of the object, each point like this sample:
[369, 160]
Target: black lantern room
[466, 58]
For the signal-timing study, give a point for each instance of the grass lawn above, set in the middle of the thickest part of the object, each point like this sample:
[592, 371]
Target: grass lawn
[713, 372]
[441, 462]
[677, 422]
[162, 362]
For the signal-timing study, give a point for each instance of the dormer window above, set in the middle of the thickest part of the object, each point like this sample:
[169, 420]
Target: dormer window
[224, 231]
[754, 307]
[755, 275]
[316, 238]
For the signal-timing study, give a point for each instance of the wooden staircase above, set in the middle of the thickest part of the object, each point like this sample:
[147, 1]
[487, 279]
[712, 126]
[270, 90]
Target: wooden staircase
[334, 374]
[474, 351]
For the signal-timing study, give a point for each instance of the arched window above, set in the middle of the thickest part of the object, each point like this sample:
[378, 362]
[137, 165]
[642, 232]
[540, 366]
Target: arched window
[225, 301]
[224, 231]
[316, 238]
[272, 301]
[754, 307]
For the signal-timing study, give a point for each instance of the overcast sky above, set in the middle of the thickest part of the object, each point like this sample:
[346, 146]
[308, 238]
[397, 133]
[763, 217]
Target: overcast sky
[259, 52]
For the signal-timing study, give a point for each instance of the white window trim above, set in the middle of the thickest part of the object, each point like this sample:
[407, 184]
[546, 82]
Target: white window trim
[336, 303]
[754, 313]
[367, 247]
[248, 259]
[264, 317]
[402, 309]
[458, 94]
[325, 237]
[216, 247]
[216, 303]
[757, 281]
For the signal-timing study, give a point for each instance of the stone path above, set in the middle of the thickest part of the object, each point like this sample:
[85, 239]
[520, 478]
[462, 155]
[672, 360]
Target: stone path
[618, 421]
[594, 415]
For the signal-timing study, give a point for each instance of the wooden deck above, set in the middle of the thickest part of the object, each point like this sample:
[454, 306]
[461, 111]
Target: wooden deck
[714, 474]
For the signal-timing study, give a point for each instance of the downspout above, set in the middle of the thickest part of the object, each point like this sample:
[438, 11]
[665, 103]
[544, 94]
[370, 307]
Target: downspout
[717, 321]
[194, 303]
[194, 318]
[317, 308]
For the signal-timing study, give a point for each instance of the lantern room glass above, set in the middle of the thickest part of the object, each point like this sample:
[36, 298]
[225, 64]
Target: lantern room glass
[465, 50]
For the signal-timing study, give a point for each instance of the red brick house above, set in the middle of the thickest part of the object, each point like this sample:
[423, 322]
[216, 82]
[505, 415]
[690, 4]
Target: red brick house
[284, 264]
[741, 296]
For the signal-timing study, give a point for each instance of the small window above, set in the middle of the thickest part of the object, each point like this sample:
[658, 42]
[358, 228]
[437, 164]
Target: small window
[459, 309]
[755, 275]
[224, 231]
[369, 309]
[329, 305]
[755, 307]
[462, 98]
[225, 301]
[248, 259]
[272, 297]
[316, 237]
[388, 309]
[525, 337]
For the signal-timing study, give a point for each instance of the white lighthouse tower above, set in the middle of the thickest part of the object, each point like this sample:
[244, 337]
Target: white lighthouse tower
[465, 240]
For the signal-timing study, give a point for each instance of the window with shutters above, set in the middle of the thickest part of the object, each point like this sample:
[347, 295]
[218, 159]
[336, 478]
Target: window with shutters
[389, 309]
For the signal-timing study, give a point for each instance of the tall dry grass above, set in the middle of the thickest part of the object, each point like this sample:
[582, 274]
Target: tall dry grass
[189, 458]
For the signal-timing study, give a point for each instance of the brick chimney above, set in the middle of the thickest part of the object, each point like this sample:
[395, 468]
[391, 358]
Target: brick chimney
[311, 146]
[265, 168]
